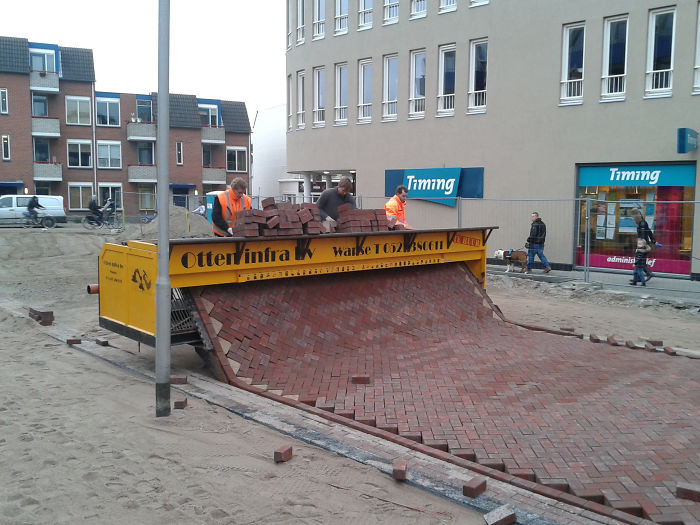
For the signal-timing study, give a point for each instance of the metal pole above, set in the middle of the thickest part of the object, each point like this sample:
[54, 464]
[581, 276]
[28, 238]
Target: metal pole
[587, 243]
[459, 212]
[163, 280]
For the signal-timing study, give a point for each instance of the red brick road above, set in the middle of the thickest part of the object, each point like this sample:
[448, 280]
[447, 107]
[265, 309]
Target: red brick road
[609, 424]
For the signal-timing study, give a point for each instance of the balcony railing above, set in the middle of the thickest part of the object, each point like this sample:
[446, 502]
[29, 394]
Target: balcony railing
[364, 20]
[341, 24]
[301, 119]
[659, 82]
[319, 116]
[213, 175]
[142, 173]
[572, 89]
[447, 5]
[477, 101]
[213, 135]
[391, 11]
[141, 131]
[52, 171]
[416, 106]
[446, 103]
[418, 8]
[46, 127]
[43, 81]
[341, 114]
[319, 28]
[300, 35]
[364, 112]
[390, 109]
[613, 86]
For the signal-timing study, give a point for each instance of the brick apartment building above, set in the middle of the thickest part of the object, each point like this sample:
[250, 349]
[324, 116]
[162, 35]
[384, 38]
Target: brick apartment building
[61, 137]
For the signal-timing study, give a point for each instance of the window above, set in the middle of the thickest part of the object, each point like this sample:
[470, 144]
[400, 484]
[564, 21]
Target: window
[207, 156]
[42, 60]
[364, 20]
[416, 100]
[614, 58]
[319, 18]
[110, 191]
[42, 152]
[144, 153]
[289, 102]
[446, 87]
[5, 147]
[79, 154]
[107, 112]
[236, 159]
[418, 8]
[391, 87]
[659, 77]
[319, 96]
[572, 64]
[364, 94]
[478, 57]
[696, 81]
[341, 94]
[300, 22]
[341, 17]
[79, 195]
[447, 5]
[209, 115]
[290, 22]
[78, 111]
[147, 196]
[109, 154]
[301, 110]
[40, 106]
[144, 110]
[391, 11]
[178, 153]
[3, 101]
[474, 3]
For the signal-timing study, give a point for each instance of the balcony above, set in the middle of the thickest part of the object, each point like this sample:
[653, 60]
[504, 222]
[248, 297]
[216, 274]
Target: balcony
[142, 173]
[213, 135]
[46, 127]
[43, 81]
[213, 175]
[141, 131]
[48, 171]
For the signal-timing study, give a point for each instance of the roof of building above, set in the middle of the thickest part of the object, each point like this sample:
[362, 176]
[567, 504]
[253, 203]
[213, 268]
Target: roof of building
[235, 117]
[14, 55]
[184, 111]
[77, 64]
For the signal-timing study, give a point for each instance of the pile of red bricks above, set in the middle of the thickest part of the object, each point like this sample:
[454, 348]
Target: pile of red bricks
[285, 219]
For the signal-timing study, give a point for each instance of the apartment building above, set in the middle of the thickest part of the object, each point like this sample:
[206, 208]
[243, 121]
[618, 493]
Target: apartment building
[61, 137]
[477, 104]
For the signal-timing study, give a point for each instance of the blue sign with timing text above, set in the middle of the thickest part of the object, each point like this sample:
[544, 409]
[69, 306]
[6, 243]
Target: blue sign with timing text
[687, 140]
[433, 184]
[633, 175]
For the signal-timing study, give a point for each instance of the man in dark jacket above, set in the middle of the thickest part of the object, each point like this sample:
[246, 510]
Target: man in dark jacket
[535, 243]
[34, 205]
[331, 198]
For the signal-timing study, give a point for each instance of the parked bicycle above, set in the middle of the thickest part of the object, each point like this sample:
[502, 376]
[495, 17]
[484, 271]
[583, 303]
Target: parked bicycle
[40, 219]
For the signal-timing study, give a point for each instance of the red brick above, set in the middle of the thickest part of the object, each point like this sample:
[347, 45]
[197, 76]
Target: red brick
[102, 342]
[589, 494]
[360, 379]
[495, 464]
[367, 420]
[180, 404]
[523, 473]
[394, 429]
[474, 487]
[399, 471]
[328, 406]
[612, 341]
[630, 507]
[268, 202]
[413, 436]
[655, 342]
[272, 222]
[689, 491]
[668, 350]
[464, 453]
[178, 380]
[438, 444]
[503, 515]
[554, 483]
[283, 454]
[594, 339]
[350, 414]
[73, 341]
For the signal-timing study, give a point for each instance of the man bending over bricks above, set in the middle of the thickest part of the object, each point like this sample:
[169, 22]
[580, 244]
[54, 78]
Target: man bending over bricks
[331, 198]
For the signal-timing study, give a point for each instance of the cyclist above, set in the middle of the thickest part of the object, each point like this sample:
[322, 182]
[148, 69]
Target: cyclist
[108, 210]
[32, 206]
[95, 209]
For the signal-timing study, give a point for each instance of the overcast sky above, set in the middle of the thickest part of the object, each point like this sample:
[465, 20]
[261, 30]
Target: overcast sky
[221, 49]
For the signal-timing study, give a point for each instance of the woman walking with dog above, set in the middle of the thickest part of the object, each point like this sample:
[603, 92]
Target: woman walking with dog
[535, 242]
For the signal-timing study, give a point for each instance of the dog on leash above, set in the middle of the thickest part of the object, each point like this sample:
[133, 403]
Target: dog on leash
[512, 257]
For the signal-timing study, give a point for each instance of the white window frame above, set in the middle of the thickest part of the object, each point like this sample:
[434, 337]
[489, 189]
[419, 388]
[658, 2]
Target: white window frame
[390, 106]
[418, 9]
[416, 104]
[109, 144]
[109, 101]
[41, 141]
[364, 109]
[301, 99]
[659, 83]
[341, 88]
[237, 149]
[391, 12]
[364, 14]
[319, 97]
[290, 98]
[144, 103]
[341, 18]
[290, 22]
[696, 76]
[6, 148]
[447, 6]
[139, 146]
[45, 101]
[79, 101]
[477, 3]
[80, 205]
[80, 143]
[571, 88]
[319, 24]
[150, 190]
[300, 22]
[613, 87]
[212, 112]
[179, 154]
[477, 98]
[446, 101]
[116, 196]
[49, 58]
[4, 101]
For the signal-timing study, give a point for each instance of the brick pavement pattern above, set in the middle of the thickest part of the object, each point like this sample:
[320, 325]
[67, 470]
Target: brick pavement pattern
[610, 424]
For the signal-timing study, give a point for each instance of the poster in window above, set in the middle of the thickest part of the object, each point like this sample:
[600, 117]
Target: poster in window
[627, 224]
[600, 227]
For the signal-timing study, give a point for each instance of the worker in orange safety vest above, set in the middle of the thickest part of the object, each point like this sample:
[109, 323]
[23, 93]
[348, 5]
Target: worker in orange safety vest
[395, 210]
[226, 205]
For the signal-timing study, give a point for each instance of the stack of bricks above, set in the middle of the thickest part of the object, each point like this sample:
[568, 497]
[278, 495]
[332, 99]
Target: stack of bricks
[286, 219]
[359, 221]
[248, 223]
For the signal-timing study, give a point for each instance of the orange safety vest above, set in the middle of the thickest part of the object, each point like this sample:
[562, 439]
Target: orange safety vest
[395, 208]
[230, 205]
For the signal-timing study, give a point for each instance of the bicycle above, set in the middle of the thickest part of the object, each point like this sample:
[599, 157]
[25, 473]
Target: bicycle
[40, 219]
[92, 222]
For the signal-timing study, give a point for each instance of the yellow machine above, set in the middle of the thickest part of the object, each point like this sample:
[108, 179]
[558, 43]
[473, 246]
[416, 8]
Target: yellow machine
[127, 273]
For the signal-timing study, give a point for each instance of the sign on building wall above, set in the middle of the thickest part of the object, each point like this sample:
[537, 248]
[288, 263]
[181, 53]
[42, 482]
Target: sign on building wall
[633, 175]
[440, 185]
[687, 140]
